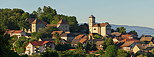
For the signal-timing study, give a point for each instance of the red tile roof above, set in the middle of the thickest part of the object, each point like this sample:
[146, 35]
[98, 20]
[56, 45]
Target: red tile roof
[127, 43]
[79, 36]
[39, 43]
[101, 25]
[126, 35]
[13, 31]
[59, 32]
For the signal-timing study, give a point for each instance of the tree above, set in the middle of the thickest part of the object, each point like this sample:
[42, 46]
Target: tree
[50, 54]
[111, 51]
[121, 30]
[121, 53]
[5, 47]
[97, 36]
[91, 55]
[79, 46]
[133, 32]
[107, 42]
[90, 46]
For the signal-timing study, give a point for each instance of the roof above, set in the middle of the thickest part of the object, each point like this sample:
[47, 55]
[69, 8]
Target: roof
[116, 33]
[62, 21]
[63, 35]
[13, 31]
[37, 21]
[140, 46]
[59, 32]
[99, 42]
[126, 35]
[91, 16]
[39, 43]
[132, 40]
[83, 40]
[127, 43]
[80, 38]
[30, 20]
[101, 25]
[146, 39]
[54, 25]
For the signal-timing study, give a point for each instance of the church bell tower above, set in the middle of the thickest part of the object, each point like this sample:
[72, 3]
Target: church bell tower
[91, 22]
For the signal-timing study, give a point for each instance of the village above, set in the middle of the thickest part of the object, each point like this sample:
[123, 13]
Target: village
[99, 34]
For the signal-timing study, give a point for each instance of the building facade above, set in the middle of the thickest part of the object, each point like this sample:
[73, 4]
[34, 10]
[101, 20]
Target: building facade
[103, 29]
[35, 25]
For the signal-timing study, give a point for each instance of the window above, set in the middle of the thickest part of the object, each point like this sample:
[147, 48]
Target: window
[94, 28]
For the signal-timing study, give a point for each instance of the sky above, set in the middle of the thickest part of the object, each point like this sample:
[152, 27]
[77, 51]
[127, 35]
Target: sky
[120, 12]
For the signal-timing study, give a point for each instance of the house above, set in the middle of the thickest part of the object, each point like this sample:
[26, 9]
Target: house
[127, 45]
[128, 36]
[137, 48]
[116, 34]
[35, 25]
[99, 44]
[38, 47]
[66, 36]
[103, 29]
[118, 39]
[146, 38]
[62, 25]
[18, 33]
[79, 39]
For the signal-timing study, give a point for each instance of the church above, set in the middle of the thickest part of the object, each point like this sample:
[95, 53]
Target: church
[103, 29]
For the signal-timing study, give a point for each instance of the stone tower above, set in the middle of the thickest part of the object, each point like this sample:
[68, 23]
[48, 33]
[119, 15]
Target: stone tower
[91, 22]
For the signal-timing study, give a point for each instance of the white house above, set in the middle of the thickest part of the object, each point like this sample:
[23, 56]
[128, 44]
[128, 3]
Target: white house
[38, 47]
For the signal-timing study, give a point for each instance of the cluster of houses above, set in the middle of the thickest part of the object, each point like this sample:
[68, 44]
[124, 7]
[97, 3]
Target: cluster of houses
[128, 42]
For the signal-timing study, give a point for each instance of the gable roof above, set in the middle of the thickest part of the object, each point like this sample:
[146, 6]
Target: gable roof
[13, 31]
[59, 32]
[99, 42]
[126, 35]
[146, 39]
[80, 38]
[140, 46]
[116, 33]
[127, 43]
[101, 25]
[37, 21]
[39, 43]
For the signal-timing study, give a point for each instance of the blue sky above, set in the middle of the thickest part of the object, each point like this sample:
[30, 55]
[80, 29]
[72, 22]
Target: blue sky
[121, 12]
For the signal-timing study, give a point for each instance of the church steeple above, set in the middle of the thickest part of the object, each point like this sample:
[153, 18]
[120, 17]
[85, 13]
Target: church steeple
[91, 22]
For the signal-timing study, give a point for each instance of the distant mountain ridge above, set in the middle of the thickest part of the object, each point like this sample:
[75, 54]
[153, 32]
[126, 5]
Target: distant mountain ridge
[139, 29]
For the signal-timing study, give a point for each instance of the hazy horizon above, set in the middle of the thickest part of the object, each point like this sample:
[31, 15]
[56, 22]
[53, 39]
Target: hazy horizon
[119, 12]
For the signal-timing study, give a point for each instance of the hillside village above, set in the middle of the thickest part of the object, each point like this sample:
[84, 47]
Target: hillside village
[93, 39]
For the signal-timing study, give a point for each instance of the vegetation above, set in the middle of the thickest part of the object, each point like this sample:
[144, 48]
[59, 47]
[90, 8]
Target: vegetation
[16, 19]
[111, 51]
[121, 29]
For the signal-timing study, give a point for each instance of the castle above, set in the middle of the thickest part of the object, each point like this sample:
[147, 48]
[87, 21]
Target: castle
[103, 29]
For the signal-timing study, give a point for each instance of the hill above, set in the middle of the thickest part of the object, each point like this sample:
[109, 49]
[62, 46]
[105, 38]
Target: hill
[140, 30]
